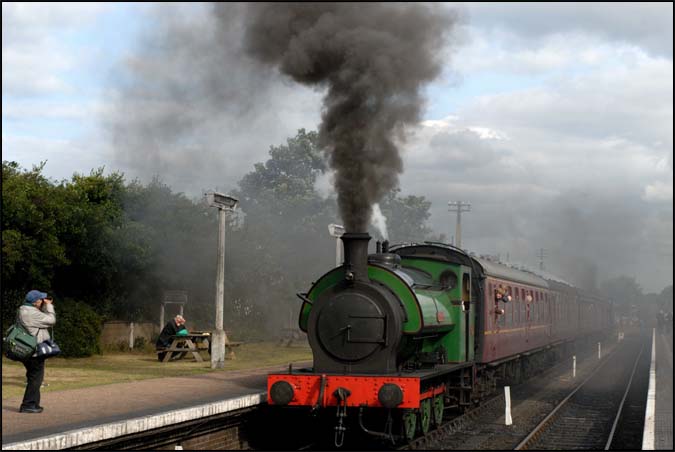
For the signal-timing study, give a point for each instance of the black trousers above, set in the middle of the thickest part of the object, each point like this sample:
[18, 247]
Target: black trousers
[35, 373]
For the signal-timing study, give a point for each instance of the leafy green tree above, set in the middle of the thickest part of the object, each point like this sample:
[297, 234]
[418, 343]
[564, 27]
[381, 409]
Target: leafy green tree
[176, 240]
[284, 240]
[406, 217]
[31, 248]
[91, 219]
[78, 329]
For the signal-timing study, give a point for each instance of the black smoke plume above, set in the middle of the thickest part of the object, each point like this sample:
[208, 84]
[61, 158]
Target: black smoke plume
[373, 59]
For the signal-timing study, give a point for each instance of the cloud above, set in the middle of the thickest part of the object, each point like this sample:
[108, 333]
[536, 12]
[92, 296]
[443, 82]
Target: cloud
[659, 192]
[189, 106]
[647, 25]
[35, 57]
[580, 165]
[63, 156]
[562, 138]
[30, 110]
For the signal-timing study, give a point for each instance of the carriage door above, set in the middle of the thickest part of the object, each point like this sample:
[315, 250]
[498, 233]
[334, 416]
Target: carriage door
[468, 316]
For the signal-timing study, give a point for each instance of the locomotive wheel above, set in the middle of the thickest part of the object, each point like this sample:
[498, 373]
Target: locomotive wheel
[438, 410]
[409, 424]
[425, 415]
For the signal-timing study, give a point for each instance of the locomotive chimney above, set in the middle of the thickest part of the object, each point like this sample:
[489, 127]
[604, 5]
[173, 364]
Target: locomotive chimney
[356, 255]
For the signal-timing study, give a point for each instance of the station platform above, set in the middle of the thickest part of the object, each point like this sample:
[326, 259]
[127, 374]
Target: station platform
[77, 417]
[658, 432]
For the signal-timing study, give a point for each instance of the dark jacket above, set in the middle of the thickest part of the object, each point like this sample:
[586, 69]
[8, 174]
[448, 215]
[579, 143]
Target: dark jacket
[164, 339]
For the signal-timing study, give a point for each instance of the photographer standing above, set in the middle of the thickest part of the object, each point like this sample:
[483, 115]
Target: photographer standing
[36, 314]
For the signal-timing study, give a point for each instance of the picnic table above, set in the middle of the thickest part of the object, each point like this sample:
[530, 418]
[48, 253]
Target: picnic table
[187, 343]
[195, 342]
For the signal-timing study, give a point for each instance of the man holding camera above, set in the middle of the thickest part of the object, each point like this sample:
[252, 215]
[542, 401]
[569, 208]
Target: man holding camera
[36, 314]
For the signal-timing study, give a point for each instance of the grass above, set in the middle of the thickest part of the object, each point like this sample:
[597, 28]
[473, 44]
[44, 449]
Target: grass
[118, 367]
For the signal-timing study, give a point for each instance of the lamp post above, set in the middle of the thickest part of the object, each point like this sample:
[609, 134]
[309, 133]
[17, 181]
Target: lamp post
[336, 231]
[459, 207]
[224, 204]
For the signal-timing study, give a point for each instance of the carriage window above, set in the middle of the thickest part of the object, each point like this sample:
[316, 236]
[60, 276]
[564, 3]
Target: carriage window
[466, 287]
[502, 318]
[524, 315]
[510, 314]
[448, 280]
[420, 277]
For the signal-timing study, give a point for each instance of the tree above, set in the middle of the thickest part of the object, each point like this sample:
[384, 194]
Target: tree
[31, 248]
[623, 290]
[406, 217]
[283, 242]
[117, 246]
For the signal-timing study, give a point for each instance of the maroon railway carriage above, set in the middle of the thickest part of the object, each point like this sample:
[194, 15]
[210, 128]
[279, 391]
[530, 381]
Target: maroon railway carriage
[542, 312]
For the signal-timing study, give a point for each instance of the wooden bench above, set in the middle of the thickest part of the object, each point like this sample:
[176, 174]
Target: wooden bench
[229, 346]
[196, 346]
[190, 347]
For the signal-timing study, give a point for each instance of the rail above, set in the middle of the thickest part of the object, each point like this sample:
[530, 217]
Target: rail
[580, 411]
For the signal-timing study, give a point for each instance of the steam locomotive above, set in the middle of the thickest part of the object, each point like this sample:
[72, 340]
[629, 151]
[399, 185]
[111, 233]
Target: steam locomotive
[417, 329]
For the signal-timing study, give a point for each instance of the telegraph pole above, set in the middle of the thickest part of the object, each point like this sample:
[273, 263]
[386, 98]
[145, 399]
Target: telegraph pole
[459, 207]
[542, 254]
[224, 204]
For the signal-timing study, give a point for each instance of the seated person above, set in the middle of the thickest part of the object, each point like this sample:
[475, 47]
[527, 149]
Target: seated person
[165, 337]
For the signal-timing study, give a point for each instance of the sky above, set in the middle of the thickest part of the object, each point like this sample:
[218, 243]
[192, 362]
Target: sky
[555, 121]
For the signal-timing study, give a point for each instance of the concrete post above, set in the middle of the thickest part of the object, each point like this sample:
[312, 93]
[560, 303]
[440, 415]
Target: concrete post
[161, 317]
[219, 339]
[574, 367]
[507, 398]
[131, 336]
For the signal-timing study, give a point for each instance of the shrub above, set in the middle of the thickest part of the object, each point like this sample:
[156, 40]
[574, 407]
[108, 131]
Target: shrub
[78, 329]
[140, 343]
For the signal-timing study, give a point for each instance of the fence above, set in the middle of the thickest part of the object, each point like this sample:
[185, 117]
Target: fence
[118, 331]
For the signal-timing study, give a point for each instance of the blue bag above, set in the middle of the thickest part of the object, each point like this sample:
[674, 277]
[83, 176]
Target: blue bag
[47, 349]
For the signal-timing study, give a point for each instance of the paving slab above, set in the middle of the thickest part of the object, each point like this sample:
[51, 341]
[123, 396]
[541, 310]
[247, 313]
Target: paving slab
[78, 409]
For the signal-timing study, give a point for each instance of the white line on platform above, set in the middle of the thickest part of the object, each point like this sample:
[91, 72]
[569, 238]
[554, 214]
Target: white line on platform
[650, 412]
[102, 432]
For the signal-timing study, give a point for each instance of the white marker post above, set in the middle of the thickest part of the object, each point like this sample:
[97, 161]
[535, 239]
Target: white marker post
[507, 397]
[599, 350]
[574, 366]
[131, 336]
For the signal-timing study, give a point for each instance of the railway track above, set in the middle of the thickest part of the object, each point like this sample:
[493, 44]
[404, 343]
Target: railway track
[448, 435]
[455, 424]
[588, 417]
[482, 427]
